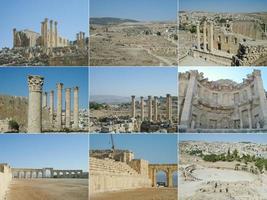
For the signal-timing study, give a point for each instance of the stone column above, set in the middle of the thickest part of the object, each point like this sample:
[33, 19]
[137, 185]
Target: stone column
[169, 107]
[205, 35]
[44, 99]
[76, 108]
[14, 37]
[241, 119]
[46, 32]
[59, 105]
[155, 108]
[169, 178]
[133, 106]
[249, 117]
[187, 108]
[55, 37]
[52, 106]
[42, 33]
[35, 84]
[261, 93]
[51, 33]
[142, 109]
[211, 37]
[68, 107]
[150, 108]
[198, 37]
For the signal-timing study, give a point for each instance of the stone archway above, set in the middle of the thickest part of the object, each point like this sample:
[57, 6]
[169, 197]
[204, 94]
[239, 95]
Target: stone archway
[169, 169]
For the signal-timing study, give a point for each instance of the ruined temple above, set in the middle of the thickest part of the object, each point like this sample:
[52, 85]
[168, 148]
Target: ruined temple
[222, 105]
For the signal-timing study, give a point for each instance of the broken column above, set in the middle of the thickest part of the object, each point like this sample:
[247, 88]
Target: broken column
[155, 108]
[59, 105]
[150, 108]
[68, 107]
[169, 107]
[76, 108]
[52, 106]
[142, 109]
[205, 36]
[35, 84]
[133, 106]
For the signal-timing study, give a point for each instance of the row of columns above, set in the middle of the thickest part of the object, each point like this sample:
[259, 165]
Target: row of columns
[80, 38]
[41, 173]
[210, 36]
[35, 84]
[152, 110]
[49, 37]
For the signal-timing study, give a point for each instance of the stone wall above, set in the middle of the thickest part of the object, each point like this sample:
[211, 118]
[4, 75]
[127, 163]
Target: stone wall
[109, 175]
[16, 108]
[5, 179]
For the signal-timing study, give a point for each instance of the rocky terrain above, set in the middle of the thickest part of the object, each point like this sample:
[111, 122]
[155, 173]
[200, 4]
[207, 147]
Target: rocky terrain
[40, 56]
[133, 43]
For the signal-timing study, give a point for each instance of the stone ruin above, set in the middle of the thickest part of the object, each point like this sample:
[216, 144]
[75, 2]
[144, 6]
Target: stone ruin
[5, 179]
[37, 99]
[113, 170]
[45, 49]
[223, 105]
[154, 115]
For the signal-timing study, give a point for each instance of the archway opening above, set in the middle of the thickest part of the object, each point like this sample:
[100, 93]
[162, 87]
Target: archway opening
[47, 173]
[161, 179]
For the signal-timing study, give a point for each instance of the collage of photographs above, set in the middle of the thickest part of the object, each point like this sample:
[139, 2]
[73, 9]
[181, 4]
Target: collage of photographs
[133, 99]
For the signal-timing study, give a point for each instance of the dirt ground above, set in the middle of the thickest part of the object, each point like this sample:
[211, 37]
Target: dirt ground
[139, 194]
[49, 189]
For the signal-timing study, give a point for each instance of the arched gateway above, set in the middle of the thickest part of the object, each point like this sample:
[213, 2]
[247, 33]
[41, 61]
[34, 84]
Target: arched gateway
[169, 169]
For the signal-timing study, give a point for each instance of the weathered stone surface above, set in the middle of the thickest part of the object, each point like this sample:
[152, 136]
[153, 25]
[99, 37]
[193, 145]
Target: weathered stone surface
[223, 104]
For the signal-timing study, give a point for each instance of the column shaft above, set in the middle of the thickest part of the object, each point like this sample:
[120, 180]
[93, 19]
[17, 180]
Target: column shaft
[59, 105]
[68, 107]
[35, 84]
[205, 35]
[76, 108]
[187, 108]
[133, 107]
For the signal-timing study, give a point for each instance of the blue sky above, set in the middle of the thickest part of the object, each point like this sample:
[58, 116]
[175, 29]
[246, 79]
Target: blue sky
[224, 5]
[152, 147]
[72, 17]
[13, 81]
[40, 151]
[257, 138]
[139, 81]
[143, 10]
[235, 73]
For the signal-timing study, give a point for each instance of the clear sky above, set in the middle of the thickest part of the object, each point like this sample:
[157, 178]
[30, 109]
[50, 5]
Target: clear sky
[72, 17]
[224, 5]
[13, 81]
[40, 151]
[139, 81]
[234, 73]
[256, 138]
[142, 10]
[156, 148]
